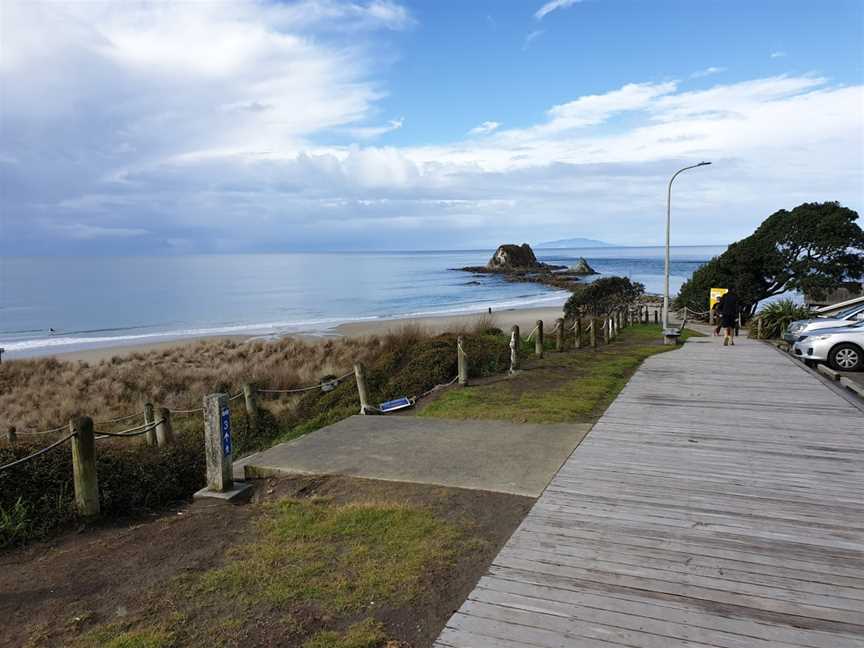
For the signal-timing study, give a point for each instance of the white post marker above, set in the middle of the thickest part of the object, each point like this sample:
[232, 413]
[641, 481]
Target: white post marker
[219, 451]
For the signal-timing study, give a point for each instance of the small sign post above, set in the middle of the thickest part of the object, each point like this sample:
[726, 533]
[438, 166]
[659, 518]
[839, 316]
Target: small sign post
[217, 442]
[219, 450]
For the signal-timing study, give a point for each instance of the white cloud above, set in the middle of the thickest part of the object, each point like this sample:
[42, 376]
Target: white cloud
[171, 123]
[83, 232]
[371, 132]
[485, 128]
[530, 38]
[775, 55]
[553, 5]
[709, 71]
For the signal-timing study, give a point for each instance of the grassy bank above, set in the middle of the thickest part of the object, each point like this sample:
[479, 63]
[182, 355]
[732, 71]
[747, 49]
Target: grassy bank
[310, 563]
[36, 497]
[574, 387]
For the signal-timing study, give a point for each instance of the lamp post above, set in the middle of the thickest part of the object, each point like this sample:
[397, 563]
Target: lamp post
[668, 225]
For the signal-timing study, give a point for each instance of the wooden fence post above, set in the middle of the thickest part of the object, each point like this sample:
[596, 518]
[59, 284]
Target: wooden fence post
[251, 405]
[758, 329]
[164, 430]
[577, 333]
[218, 444]
[150, 435]
[538, 340]
[84, 476]
[461, 362]
[592, 333]
[11, 435]
[559, 339]
[360, 375]
[514, 348]
[605, 328]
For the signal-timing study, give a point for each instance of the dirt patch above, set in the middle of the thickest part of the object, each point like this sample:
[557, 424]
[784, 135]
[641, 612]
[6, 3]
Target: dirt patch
[65, 591]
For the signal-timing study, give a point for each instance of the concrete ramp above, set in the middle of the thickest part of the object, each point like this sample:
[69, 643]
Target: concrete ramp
[483, 455]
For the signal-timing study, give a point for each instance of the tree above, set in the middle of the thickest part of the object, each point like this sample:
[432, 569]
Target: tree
[815, 246]
[602, 296]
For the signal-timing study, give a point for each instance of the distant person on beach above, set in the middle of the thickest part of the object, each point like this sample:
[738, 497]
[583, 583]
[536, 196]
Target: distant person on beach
[729, 315]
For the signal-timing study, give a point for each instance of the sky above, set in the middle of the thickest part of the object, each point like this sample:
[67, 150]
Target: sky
[154, 127]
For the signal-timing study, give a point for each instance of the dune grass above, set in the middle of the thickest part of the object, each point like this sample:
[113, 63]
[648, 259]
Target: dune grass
[575, 386]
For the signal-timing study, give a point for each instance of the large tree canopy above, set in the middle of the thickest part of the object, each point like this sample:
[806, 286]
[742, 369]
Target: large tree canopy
[603, 296]
[815, 246]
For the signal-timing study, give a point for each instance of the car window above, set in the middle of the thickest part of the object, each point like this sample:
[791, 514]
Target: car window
[849, 312]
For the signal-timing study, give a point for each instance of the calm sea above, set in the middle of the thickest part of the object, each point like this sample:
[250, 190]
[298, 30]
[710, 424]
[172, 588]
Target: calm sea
[99, 302]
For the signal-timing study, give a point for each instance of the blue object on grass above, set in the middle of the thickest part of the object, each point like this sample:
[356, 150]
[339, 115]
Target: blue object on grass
[396, 404]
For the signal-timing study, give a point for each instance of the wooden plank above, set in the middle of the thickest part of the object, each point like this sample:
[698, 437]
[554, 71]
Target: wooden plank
[718, 502]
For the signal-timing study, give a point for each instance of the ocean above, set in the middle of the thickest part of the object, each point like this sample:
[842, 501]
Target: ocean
[93, 302]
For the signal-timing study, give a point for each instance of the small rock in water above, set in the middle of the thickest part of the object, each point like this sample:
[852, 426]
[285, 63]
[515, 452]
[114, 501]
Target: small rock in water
[581, 267]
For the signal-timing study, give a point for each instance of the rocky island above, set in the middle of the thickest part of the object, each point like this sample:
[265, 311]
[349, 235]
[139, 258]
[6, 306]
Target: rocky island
[518, 263]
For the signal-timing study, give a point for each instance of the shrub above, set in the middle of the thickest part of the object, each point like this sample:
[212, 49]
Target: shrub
[36, 498]
[602, 296]
[777, 316]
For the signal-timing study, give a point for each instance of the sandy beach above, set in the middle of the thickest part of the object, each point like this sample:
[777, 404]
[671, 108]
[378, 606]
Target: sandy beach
[526, 318]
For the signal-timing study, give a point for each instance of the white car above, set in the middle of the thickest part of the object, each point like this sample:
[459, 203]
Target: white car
[846, 317]
[842, 348]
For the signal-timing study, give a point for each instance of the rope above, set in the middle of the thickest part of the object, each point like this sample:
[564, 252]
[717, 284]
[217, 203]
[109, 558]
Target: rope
[51, 431]
[459, 346]
[557, 325]
[235, 396]
[118, 419]
[132, 432]
[305, 389]
[189, 411]
[435, 388]
[37, 453]
[531, 334]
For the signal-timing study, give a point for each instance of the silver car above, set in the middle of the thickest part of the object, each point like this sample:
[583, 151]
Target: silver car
[845, 317]
[842, 348]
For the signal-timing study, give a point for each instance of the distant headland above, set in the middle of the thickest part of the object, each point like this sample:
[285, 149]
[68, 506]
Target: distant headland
[573, 243]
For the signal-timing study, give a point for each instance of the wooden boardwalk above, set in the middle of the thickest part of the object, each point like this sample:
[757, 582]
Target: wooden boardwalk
[719, 502]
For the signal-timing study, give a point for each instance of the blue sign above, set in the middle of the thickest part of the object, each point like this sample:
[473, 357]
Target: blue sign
[393, 405]
[225, 421]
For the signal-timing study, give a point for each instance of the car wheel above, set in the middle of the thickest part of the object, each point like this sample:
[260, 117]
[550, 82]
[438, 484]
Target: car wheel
[846, 357]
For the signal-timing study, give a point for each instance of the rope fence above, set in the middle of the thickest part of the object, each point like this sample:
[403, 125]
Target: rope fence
[216, 411]
[38, 452]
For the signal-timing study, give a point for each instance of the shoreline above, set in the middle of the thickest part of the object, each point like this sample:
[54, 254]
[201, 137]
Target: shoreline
[525, 317]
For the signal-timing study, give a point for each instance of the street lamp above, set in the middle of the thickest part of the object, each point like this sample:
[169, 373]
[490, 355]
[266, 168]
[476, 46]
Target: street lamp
[668, 224]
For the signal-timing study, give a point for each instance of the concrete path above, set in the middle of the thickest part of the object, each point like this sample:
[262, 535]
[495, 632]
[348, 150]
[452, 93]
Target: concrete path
[719, 502]
[483, 455]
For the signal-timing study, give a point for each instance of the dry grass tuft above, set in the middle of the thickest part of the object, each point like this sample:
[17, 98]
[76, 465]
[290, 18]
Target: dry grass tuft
[44, 393]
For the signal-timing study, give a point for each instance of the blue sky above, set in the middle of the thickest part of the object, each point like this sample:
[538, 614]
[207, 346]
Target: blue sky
[164, 127]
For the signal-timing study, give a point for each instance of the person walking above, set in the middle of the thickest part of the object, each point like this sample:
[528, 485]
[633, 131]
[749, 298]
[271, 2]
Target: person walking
[729, 316]
[716, 316]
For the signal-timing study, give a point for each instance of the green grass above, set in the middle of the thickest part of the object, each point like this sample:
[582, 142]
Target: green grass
[367, 634]
[337, 557]
[307, 554]
[113, 636]
[574, 386]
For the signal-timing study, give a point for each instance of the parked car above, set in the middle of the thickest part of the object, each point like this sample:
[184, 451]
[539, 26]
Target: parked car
[845, 317]
[842, 348]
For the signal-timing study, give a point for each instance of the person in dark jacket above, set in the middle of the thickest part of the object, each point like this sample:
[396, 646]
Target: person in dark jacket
[729, 316]
[716, 317]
